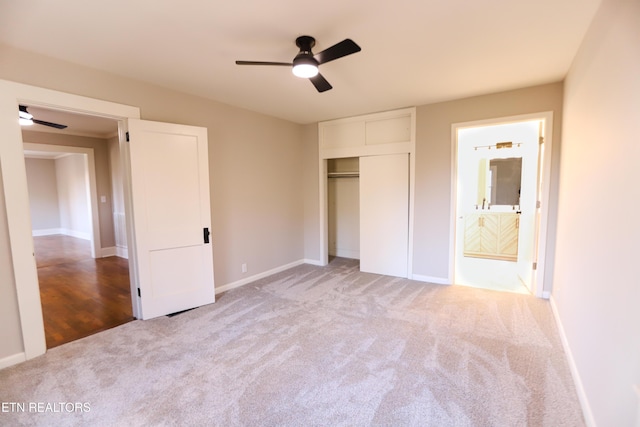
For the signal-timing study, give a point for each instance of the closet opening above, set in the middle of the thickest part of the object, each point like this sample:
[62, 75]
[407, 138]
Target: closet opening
[343, 207]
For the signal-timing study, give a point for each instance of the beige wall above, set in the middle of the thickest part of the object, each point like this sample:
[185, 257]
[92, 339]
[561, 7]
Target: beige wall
[257, 195]
[115, 168]
[103, 175]
[433, 166]
[43, 193]
[117, 196]
[596, 285]
[73, 194]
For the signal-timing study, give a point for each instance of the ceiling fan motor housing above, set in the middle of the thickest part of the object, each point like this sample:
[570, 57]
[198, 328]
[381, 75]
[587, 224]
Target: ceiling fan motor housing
[305, 56]
[305, 43]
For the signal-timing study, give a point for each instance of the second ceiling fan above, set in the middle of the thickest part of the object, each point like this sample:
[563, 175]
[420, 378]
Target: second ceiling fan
[305, 64]
[27, 119]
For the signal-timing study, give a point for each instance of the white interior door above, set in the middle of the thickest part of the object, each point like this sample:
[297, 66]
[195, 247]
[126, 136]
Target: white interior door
[526, 270]
[384, 214]
[172, 216]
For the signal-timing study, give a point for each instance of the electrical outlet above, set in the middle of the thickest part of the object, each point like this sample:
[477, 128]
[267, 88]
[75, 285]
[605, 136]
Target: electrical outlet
[244, 267]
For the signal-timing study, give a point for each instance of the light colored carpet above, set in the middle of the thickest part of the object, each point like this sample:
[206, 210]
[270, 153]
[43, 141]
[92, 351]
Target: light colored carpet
[313, 346]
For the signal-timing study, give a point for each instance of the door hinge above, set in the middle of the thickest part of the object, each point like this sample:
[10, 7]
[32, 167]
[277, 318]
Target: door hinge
[541, 140]
[538, 204]
[535, 265]
[127, 134]
[139, 292]
[206, 233]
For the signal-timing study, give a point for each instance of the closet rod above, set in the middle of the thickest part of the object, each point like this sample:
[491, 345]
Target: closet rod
[343, 174]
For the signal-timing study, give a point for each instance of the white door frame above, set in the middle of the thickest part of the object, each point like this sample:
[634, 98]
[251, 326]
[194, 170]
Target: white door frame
[17, 199]
[96, 245]
[540, 256]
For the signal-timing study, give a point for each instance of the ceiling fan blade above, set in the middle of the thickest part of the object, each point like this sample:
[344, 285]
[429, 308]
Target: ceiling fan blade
[338, 50]
[53, 125]
[263, 63]
[320, 83]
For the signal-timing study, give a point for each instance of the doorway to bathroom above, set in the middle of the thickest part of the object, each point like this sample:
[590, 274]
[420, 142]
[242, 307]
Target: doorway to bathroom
[501, 185]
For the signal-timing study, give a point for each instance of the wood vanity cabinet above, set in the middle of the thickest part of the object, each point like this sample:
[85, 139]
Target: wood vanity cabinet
[492, 235]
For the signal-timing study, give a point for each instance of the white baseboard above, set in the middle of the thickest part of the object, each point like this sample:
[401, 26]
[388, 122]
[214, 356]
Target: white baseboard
[75, 233]
[582, 395]
[258, 276]
[313, 262]
[64, 231]
[12, 360]
[122, 252]
[430, 279]
[105, 252]
[114, 251]
[46, 232]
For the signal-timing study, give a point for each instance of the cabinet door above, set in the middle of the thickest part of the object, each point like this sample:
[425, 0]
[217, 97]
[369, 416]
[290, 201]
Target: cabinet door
[481, 235]
[489, 233]
[384, 214]
[472, 239]
[508, 241]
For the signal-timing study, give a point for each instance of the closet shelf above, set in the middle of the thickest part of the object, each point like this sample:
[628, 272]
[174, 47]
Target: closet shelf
[343, 174]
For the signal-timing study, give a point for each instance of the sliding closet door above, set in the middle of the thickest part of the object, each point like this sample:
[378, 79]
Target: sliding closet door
[384, 214]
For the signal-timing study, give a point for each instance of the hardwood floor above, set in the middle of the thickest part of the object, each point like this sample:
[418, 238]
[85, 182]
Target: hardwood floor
[80, 295]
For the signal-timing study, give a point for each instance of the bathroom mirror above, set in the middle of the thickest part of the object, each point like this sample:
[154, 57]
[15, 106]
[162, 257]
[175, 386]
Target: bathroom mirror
[499, 181]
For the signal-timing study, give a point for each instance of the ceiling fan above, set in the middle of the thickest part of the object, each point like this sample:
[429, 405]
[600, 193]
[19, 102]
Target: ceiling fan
[305, 64]
[27, 119]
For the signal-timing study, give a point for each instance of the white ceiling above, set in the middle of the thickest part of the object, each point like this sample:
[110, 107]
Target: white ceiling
[414, 52]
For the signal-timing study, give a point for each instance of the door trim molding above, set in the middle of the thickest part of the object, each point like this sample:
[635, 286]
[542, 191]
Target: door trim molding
[547, 116]
[16, 193]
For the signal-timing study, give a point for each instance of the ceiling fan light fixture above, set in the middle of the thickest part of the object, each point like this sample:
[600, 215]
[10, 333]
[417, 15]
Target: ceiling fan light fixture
[24, 114]
[305, 67]
[305, 70]
[24, 117]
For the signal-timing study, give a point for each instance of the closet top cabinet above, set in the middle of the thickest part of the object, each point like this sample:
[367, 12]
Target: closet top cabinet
[373, 134]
